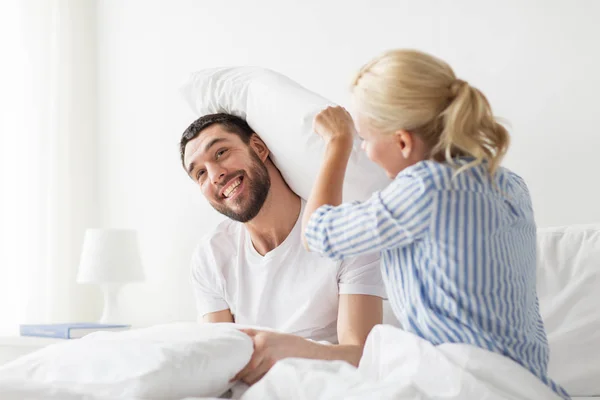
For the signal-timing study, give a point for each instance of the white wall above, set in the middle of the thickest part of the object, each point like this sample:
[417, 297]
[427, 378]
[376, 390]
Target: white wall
[536, 61]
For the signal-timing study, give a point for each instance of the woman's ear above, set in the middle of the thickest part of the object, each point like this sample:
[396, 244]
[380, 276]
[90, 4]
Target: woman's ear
[405, 142]
[259, 147]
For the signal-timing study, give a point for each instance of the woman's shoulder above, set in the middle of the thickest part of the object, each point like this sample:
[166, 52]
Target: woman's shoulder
[423, 170]
[431, 174]
[510, 182]
[446, 176]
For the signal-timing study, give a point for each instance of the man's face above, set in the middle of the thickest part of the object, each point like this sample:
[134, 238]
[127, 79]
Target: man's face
[232, 177]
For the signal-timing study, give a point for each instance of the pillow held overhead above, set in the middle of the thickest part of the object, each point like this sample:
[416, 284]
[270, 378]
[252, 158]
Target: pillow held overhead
[281, 112]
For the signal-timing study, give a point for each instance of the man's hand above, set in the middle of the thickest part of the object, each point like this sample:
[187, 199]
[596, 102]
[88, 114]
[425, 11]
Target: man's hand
[270, 347]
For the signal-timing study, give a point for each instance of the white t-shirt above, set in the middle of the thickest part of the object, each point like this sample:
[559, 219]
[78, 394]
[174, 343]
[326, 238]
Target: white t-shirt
[288, 289]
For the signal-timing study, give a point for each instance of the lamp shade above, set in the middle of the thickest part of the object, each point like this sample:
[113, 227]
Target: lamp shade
[110, 256]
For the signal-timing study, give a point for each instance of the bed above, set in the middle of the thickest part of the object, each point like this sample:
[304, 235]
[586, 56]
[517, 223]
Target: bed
[192, 361]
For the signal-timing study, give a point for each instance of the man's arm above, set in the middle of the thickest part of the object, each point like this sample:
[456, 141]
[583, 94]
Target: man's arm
[357, 315]
[218, 316]
[207, 284]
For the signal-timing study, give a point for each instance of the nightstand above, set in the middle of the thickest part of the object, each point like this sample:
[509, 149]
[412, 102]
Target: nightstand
[12, 347]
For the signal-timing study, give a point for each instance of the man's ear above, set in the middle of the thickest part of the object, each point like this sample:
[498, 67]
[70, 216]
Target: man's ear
[259, 147]
[405, 142]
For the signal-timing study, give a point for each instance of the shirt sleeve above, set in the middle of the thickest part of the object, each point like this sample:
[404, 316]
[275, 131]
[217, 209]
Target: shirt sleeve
[206, 284]
[361, 275]
[393, 217]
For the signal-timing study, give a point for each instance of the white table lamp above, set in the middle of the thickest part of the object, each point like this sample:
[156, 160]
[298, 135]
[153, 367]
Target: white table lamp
[110, 258]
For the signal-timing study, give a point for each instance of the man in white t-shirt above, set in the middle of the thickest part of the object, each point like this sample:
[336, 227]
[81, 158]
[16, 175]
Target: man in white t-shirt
[252, 269]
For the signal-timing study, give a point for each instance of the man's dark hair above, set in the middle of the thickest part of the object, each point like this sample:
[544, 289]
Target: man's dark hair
[230, 123]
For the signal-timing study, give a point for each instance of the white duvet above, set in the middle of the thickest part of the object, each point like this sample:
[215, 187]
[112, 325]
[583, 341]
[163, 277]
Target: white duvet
[395, 365]
[398, 365]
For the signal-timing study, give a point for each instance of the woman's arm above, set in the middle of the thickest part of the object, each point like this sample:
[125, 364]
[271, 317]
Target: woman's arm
[328, 187]
[336, 127]
[393, 217]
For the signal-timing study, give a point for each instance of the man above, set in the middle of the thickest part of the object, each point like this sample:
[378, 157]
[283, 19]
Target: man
[253, 269]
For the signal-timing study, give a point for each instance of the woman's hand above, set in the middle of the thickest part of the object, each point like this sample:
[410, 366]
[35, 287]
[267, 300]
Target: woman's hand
[335, 124]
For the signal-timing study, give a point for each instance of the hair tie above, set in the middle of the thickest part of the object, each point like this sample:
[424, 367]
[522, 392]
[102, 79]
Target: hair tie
[456, 86]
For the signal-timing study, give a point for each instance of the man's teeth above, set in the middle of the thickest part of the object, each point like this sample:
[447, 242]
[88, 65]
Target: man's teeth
[229, 190]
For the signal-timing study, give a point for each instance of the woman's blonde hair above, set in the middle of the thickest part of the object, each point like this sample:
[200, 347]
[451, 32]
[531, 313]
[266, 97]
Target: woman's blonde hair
[419, 93]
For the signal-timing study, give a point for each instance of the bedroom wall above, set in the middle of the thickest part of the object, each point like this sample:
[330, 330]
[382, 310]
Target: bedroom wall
[537, 62]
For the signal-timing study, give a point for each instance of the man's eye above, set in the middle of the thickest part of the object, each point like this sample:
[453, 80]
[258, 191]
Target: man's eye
[199, 174]
[220, 153]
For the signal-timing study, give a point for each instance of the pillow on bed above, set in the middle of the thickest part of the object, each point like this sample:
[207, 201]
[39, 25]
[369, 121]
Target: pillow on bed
[281, 112]
[569, 293]
[165, 361]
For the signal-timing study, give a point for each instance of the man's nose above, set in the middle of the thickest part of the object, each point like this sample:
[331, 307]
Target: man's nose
[216, 174]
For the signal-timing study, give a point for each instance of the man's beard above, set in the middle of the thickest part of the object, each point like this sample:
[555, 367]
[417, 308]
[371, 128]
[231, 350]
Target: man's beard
[257, 190]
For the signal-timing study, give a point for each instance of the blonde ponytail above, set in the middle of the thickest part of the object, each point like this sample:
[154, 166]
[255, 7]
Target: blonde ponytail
[469, 128]
[414, 91]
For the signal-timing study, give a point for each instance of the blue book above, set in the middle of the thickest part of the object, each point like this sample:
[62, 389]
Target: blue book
[68, 331]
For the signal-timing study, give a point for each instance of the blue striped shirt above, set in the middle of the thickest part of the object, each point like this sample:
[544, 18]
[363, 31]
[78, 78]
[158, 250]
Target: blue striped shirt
[458, 257]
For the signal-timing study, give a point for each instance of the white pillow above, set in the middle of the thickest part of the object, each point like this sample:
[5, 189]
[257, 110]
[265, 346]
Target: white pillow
[166, 361]
[569, 292]
[281, 112]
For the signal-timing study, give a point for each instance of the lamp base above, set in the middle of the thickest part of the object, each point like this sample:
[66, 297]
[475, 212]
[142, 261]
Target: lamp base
[110, 313]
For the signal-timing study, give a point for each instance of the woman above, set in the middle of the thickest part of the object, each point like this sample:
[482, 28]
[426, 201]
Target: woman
[456, 231]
